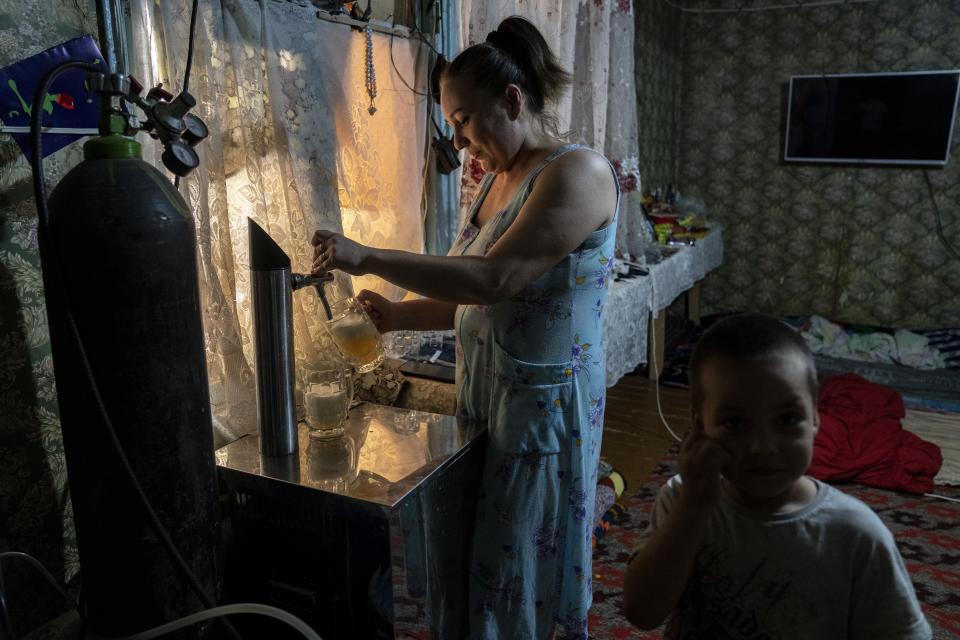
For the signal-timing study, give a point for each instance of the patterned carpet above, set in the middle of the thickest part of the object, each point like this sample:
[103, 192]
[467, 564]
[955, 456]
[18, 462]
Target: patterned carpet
[927, 532]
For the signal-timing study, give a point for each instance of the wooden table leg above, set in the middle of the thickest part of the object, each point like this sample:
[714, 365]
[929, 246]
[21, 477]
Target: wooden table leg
[693, 303]
[656, 334]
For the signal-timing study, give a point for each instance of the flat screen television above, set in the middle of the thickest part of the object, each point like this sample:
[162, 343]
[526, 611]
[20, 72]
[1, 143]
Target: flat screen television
[873, 118]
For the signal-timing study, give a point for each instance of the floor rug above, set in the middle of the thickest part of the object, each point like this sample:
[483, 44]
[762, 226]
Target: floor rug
[927, 531]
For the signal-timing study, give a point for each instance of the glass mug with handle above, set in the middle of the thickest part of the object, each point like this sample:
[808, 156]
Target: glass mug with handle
[355, 335]
[333, 463]
[328, 393]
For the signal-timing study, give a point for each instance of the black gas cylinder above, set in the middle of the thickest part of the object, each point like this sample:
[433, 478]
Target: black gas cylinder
[125, 264]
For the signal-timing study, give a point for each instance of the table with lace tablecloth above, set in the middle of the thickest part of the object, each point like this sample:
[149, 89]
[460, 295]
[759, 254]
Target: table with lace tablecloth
[632, 312]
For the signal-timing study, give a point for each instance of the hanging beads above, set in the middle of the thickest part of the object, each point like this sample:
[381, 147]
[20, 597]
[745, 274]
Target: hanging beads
[371, 73]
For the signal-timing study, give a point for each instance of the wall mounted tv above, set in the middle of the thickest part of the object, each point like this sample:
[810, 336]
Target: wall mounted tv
[872, 118]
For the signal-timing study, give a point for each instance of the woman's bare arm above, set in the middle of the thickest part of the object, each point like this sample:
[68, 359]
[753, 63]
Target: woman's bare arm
[421, 315]
[412, 315]
[574, 196]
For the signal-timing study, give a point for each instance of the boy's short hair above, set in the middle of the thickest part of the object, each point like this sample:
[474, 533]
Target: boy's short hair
[746, 336]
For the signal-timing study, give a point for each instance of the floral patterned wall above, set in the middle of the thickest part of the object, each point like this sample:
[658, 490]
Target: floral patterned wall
[34, 505]
[659, 68]
[855, 244]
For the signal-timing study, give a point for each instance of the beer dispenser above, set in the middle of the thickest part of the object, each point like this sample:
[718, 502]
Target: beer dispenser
[272, 285]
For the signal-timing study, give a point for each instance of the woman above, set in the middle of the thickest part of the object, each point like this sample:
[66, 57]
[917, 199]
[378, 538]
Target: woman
[523, 286]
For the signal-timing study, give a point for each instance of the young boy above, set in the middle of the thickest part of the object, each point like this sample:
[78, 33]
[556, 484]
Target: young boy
[741, 543]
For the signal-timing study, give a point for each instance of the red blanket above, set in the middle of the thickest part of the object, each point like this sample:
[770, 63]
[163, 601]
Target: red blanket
[861, 439]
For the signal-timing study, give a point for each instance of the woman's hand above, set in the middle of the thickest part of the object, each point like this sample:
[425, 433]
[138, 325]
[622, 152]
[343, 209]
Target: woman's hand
[332, 250]
[701, 461]
[382, 311]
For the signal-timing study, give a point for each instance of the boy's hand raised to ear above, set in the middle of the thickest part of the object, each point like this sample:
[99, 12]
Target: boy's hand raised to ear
[657, 576]
[701, 461]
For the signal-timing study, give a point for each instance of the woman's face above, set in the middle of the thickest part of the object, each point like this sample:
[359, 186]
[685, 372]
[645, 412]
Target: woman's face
[483, 124]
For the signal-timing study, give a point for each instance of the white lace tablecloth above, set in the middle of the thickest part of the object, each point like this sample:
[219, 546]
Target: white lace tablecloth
[626, 314]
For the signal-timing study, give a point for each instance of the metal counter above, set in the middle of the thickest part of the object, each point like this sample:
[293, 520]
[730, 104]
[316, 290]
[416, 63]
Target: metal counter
[363, 536]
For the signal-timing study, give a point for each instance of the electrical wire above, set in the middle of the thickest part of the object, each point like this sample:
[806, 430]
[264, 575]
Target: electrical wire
[36, 135]
[193, 25]
[6, 624]
[231, 609]
[6, 621]
[397, 71]
[175, 625]
[936, 212]
[940, 497]
[656, 379]
[36, 564]
[423, 38]
[186, 69]
[52, 264]
[430, 107]
[421, 35]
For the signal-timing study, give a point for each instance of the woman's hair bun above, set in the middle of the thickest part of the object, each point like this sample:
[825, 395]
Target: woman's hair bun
[514, 53]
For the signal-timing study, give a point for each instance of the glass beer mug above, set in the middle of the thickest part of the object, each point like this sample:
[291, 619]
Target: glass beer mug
[327, 396]
[355, 335]
[333, 464]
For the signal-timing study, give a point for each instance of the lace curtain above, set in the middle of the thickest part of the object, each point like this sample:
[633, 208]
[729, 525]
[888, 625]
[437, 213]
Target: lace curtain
[601, 109]
[292, 146]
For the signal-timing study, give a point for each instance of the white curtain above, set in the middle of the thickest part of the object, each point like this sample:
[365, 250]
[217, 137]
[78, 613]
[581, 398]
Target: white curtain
[593, 39]
[292, 146]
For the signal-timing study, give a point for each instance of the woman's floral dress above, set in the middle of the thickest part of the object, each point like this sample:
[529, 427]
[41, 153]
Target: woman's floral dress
[532, 368]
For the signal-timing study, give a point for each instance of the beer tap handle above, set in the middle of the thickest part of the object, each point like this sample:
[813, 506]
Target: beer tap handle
[299, 280]
[323, 300]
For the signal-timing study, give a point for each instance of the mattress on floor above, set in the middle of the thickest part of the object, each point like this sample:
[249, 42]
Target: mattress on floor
[937, 384]
[943, 430]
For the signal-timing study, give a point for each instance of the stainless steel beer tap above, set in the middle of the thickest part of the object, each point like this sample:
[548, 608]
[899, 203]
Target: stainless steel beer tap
[272, 286]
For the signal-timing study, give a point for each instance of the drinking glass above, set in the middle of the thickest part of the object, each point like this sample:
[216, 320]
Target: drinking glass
[327, 395]
[355, 335]
[332, 463]
[401, 344]
[410, 422]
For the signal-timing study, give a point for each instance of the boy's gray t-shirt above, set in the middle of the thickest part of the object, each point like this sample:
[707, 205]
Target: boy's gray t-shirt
[829, 570]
